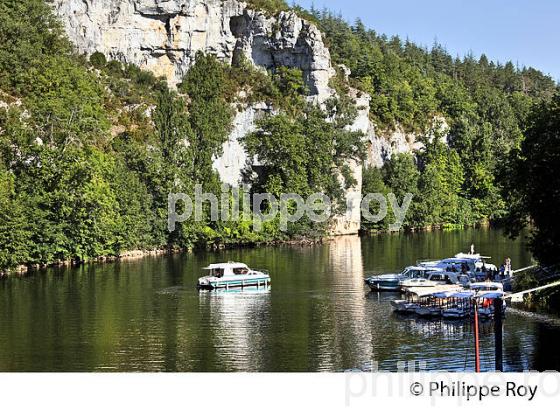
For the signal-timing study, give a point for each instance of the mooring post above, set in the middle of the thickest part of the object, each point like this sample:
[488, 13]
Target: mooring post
[476, 341]
[498, 334]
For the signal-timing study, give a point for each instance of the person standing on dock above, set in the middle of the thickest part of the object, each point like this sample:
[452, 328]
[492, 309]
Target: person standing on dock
[507, 265]
[472, 249]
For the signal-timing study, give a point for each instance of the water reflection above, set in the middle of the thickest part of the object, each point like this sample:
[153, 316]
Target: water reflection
[147, 315]
[238, 319]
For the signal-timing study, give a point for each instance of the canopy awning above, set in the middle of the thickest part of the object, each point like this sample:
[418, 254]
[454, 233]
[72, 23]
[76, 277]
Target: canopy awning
[462, 295]
[491, 295]
[433, 290]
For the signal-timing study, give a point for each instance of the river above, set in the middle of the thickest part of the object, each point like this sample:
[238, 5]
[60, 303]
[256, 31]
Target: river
[146, 315]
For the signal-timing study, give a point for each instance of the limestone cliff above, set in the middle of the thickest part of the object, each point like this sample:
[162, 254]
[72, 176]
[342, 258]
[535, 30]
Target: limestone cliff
[163, 36]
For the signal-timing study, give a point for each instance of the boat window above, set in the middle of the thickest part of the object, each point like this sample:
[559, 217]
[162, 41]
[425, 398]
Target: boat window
[240, 271]
[218, 273]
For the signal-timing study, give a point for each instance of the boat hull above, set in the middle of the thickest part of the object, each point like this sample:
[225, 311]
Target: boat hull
[488, 313]
[383, 285]
[235, 284]
[399, 306]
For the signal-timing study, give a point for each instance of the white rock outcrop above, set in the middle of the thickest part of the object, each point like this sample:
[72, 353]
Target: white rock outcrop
[163, 36]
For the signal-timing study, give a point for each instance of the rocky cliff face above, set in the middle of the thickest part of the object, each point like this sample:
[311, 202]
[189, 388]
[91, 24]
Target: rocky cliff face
[163, 36]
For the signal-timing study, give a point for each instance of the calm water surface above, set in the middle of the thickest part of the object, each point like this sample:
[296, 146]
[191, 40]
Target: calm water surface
[146, 315]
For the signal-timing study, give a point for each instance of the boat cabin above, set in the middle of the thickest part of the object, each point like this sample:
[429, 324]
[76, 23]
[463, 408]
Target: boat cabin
[413, 272]
[219, 270]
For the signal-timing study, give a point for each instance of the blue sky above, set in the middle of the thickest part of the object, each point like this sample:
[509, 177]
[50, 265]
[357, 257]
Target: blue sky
[526, 32]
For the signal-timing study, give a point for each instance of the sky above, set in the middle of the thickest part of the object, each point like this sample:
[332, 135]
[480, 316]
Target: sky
[526, 32]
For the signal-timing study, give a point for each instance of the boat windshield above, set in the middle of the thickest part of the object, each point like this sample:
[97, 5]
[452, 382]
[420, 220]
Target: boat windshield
[217, 273]
[413, 273]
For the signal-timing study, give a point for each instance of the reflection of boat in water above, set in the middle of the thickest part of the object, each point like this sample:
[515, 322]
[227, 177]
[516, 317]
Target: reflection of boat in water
[233, 275]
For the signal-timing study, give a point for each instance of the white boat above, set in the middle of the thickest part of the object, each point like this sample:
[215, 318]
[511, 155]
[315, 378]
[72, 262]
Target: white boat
[424, 301]
[457, 305]
[233, 275]
[486, 303]
[410, 307]
[399, 305]
[486, 287]
[404, 306]
[417, 283]
[391, 282]
[447, 278]
[474, 265]
[455, 313]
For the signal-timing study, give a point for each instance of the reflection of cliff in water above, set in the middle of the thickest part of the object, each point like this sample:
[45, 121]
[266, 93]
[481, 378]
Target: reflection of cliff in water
[347, 308]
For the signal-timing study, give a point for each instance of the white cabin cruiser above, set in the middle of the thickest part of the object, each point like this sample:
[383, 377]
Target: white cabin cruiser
[233, 275]
[474, 265]
[391, 282]
[417, 283]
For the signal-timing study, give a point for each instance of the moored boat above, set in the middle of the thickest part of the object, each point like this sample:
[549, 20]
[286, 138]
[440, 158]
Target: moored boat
[233, 275]
[417, 283]
[457, 305]
[485, 302]
[428, 311]
[399, 305]
[472, 264]
[391, 282]
[486, 287]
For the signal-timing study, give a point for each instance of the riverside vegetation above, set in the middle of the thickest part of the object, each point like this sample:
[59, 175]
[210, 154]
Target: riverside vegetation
[90, 148]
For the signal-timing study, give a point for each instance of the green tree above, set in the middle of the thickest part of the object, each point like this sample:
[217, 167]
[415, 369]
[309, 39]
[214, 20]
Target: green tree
[373, 183]
[210, 116]
[534, 190]
[14, 232]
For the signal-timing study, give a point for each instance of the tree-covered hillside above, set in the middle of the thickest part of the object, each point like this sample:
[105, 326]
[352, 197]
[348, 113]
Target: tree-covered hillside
[485, 105]
[90, 148]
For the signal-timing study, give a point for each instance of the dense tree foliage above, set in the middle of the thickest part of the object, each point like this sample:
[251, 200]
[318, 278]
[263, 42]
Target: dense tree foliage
[91, 148]
[484, 104]
[269, 6]
[534, 189]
